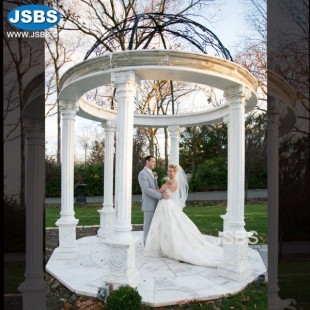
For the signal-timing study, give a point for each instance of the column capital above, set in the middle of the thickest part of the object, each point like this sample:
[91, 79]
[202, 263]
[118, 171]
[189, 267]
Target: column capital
[69, 106]
[174, 129]
[33, 125]
[109, 126]
[226, 119]
[237, 92]
[276, 106]
[125, 77]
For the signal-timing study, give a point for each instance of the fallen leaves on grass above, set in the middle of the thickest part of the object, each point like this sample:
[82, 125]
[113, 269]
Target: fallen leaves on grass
[84, 303]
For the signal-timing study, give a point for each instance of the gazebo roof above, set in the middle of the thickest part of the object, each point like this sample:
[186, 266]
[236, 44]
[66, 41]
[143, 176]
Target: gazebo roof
[153, 65]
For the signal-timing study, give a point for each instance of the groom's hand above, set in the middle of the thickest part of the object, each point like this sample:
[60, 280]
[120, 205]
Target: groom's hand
[164, 195]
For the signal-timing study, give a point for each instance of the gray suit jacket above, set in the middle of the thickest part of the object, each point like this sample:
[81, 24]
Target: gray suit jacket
[148, 187]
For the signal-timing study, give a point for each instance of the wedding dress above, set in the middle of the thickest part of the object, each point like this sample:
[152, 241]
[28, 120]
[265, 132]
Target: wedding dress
[172, 234]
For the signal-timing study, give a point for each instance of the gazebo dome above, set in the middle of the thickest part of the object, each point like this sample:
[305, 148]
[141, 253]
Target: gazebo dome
[148, 30]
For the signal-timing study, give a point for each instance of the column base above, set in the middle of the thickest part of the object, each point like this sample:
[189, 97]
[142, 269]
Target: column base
[106, 229]
[235, 264]
[225, 218]
[65, 253]
[236, 273]
[121, 263]
[34, 292]
[104, 234]
[67, 248]
[276, 303]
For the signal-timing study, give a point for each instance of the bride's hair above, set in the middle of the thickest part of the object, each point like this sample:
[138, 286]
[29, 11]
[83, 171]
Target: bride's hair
[182, 187]
[174, 167]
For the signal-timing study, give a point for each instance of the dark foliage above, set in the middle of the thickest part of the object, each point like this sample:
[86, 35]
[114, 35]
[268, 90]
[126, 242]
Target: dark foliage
[294, 193]
[14, 225]
[124, 298]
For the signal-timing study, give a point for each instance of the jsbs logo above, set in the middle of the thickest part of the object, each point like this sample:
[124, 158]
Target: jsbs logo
[34, 17]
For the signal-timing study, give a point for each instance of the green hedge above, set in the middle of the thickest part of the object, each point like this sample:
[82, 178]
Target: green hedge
[209, 175]
[91, 175]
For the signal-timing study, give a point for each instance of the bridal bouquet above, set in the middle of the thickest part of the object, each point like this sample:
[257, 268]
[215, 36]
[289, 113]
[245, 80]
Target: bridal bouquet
[164, 180]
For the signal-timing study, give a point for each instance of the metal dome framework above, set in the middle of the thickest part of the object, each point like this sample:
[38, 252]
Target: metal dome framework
[141, 29]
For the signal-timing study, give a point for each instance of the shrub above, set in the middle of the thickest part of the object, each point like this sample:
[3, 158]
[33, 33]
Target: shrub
[14, 225]
[52, 178]
[124, 298]
[210, 175]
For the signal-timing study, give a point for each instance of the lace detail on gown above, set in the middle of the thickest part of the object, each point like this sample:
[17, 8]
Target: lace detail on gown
[172, 234]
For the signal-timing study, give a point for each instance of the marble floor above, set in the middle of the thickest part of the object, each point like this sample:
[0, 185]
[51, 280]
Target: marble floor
[163, 281]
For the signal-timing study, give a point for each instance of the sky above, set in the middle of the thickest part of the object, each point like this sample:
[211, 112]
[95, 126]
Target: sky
[229, 27]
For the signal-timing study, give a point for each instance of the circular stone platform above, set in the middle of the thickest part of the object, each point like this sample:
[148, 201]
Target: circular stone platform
[163, 281]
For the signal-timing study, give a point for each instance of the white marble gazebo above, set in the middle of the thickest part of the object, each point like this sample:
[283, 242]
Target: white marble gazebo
[124, 70]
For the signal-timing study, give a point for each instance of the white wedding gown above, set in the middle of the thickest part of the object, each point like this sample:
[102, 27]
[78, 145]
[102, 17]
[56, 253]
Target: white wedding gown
[172, 234]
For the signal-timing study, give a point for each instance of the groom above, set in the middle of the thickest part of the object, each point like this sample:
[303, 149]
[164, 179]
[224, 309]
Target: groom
[150, 196]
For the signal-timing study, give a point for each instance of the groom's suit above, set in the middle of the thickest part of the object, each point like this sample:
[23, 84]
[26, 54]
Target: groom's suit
[150, 198]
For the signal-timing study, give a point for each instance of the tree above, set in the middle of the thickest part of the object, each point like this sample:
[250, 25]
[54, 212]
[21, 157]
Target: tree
[96, 155]
[255, 151]
[288, 55]
[61, 49]
[23, 61]
[101, 16]
[198, 144]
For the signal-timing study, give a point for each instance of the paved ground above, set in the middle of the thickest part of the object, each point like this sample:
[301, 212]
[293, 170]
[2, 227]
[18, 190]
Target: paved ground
[163, 281]
[199, 196]
[58, 296]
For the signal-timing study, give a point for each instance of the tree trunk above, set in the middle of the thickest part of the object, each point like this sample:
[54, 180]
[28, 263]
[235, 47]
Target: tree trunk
[152, 146]
[22, 167]
[58, 133]
[166, 148]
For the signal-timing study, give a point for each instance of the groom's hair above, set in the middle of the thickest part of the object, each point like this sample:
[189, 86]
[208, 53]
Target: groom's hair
[148, 158]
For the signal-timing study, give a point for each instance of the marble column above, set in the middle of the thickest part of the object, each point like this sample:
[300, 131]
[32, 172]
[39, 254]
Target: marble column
[67, 248]
[275, 110]
[225, 216]
[33, 288]
[107, 213]
[121, 260]
[235, 265]
[174, 143]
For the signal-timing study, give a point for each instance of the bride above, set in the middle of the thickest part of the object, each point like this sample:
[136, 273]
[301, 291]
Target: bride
[172, 234]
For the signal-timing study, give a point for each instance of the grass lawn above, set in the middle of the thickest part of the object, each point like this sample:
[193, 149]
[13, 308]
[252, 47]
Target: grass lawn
[252, 297]
[13, 277]
[207, 219]
[294, 282]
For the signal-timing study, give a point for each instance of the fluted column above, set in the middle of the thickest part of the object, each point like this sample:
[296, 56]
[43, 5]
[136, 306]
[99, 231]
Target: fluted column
[276, 109]
[174, 143]
[122, 269]
[67, 223]
[125, 91]
[33, 287]
[107, 213]
[235, 240]
[225, 217]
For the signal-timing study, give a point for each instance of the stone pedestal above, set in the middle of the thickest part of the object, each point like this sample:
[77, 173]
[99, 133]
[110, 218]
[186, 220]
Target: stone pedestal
[235, 265]
[67, 222]
[107, 213]
[122, 269]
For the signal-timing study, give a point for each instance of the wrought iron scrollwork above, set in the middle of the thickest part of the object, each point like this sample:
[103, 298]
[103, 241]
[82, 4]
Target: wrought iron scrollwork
[139, 32]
